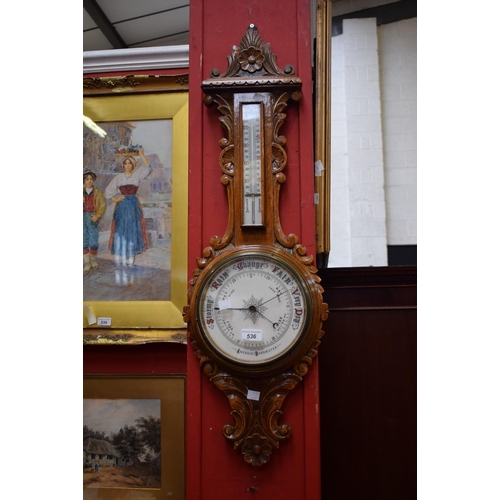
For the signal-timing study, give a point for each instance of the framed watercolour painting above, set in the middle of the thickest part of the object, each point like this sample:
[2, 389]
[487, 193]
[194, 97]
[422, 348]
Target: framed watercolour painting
[133, 437]
[134, 209]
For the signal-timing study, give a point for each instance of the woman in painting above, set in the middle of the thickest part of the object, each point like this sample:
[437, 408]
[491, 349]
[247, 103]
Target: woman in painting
[128, 229]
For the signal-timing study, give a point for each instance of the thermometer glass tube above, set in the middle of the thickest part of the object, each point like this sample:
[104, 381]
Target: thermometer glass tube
[252, 170]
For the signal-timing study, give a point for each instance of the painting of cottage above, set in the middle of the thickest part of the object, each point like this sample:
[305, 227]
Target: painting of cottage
[102, 453]
[122, 443]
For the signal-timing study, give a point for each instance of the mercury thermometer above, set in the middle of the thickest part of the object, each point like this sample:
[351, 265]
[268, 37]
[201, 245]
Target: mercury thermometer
[252, 167]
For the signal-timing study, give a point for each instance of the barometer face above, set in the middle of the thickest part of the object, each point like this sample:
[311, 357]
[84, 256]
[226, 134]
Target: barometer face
[253, 307]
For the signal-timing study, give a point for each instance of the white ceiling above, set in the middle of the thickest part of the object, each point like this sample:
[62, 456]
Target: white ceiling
[120, 24]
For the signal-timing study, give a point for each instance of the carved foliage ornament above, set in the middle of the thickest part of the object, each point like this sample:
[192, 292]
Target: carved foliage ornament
[252, 56]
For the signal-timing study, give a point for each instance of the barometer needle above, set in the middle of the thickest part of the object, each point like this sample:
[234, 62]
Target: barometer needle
[275, 325]
[252, 309]
[272, 298]
[231, 308]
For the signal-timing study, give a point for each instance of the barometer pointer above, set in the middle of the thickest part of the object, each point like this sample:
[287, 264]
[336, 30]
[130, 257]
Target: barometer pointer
[252, 309]
[275, 325]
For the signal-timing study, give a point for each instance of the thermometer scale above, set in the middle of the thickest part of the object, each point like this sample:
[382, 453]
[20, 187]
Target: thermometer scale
[252, 169]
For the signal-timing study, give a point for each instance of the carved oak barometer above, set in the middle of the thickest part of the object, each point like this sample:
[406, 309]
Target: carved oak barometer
[255, 307]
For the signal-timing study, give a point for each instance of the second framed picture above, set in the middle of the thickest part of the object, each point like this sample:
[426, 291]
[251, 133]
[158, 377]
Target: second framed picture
[133, 437]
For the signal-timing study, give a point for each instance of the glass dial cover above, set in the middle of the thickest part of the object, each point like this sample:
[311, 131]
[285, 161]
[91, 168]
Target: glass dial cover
[253, 307]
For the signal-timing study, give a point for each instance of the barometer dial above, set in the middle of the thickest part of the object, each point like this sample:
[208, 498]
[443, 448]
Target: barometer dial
[253, 307]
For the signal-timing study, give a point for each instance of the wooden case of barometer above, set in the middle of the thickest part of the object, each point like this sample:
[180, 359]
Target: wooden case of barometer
[255, 307]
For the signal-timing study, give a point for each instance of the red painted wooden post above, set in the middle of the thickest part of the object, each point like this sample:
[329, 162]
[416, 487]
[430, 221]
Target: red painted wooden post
[214, 469]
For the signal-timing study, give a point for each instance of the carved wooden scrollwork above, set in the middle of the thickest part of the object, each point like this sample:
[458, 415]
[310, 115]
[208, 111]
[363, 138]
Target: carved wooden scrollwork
[256, 431]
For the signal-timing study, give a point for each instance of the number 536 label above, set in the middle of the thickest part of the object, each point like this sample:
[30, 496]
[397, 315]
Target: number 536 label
[251, 334]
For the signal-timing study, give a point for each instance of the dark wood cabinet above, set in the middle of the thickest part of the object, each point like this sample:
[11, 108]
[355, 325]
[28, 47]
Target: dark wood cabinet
[368, 384]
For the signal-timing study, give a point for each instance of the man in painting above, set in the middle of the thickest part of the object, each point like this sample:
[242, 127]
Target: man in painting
[94, 207]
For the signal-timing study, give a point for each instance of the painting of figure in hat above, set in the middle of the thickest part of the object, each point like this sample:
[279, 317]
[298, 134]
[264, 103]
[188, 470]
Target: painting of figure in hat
[127, 211]
[94, 208]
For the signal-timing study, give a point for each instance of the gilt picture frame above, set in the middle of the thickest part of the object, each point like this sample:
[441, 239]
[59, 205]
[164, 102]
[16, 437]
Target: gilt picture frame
[122, 106]
[133, 437]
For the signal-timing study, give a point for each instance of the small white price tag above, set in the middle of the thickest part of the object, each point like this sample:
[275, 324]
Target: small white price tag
[318, 168]
[224, 304]
[251, 334]
[255, 395]
[104, 321]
